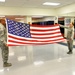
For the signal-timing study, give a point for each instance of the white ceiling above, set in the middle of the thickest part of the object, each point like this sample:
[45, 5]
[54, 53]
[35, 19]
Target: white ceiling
[35, 3]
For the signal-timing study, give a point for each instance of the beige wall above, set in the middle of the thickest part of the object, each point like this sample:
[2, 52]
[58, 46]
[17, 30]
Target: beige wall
[66, 10]
[26, 11]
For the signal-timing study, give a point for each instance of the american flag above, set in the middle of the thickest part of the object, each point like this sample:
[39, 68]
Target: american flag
[25, 34]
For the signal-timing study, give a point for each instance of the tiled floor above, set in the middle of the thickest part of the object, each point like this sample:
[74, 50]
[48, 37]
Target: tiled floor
[39, 60]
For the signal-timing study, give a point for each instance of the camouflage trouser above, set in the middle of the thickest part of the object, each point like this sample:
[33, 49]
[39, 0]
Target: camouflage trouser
[5, 51]
[70, 45]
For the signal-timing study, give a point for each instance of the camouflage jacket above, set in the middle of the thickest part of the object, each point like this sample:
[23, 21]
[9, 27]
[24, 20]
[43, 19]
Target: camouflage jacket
[70, 32]
[3, 34]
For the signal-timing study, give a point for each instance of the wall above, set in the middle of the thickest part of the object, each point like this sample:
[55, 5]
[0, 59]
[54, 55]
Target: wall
[26, 11]
[65, 10]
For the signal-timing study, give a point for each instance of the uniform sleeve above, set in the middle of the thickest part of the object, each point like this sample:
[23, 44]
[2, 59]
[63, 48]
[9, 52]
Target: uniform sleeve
[63, 26]
[72, 37]
[1, 32]
[2, 37]
[5, 40]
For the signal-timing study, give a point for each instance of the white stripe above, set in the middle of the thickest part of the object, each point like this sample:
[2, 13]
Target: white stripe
[43, 28]
[46, 35]
[36, 42]
[33, 38]
[15, 43]
[41, 32]
[36, 39]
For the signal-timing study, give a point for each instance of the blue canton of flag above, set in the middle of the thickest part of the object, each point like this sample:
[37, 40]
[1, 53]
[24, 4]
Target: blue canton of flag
[18, 28]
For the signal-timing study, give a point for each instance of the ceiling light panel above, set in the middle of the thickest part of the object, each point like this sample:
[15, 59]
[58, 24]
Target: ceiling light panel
[2, 0]
[50, 3]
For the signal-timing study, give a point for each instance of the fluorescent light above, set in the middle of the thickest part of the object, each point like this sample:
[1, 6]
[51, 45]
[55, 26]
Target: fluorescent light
[2, 0]
[49, 3]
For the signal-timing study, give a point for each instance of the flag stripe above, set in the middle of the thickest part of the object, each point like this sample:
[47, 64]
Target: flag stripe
[48, 38]
[53, 39]
[44, 28]
[29, 39]
[22, 42]
[18, 43]
[46, 34]
[42, 33]
[38, 32]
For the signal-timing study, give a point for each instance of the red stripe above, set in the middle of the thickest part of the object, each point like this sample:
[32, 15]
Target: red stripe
[44, 30]
[21, 39]
[34, 38]
[34, 44]
[47, 37]
[44, 25]
[32, 41]
[30, 44]
[44, 33]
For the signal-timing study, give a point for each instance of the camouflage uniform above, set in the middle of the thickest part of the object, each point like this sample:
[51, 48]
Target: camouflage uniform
[70, 37]
[3, 39]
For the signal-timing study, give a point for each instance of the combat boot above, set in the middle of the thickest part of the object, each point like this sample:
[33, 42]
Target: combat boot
[7, 64]
[69, 52]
